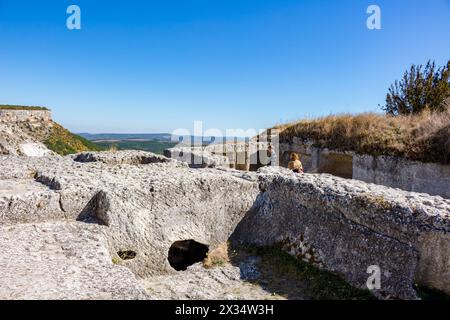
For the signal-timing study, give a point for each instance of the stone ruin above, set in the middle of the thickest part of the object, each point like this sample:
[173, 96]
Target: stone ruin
[395, 172]
[22, 115]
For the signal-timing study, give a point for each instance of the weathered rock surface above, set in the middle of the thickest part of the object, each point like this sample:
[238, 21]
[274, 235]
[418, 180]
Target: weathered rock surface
[125, 157]
[144, 208]
[346, 226]
[78, 214]
[25, 200]
[431, 178]
[64, 260]
[22, 134]
[198, 283]
[197, 157]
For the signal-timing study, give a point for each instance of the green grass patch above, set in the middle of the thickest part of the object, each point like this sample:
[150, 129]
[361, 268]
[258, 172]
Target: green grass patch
[293, 278]
[16, 107]
[431, 294]
[64, 142]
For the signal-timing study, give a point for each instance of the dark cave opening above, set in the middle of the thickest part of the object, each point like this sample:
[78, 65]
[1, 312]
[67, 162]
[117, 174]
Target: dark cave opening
[126, 255]
[184, 253]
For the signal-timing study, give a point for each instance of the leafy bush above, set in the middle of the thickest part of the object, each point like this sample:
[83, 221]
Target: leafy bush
[420, 89]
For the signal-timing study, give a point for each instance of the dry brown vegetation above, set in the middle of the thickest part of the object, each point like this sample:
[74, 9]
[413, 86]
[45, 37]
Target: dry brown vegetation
[423, 137]
[217, 257]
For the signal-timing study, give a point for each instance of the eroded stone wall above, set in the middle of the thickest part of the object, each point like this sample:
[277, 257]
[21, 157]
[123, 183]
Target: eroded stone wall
[431, 178]
[25, 115]
[347, 226]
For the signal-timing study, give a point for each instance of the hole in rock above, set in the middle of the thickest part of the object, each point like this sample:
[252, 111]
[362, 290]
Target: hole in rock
[184, 253]
[126, 255]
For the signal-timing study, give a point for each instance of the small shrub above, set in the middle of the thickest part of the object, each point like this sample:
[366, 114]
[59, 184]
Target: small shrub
[217, 257]
[113, 148]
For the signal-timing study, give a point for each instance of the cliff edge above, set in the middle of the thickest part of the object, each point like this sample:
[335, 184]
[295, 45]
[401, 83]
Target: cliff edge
[30, 131]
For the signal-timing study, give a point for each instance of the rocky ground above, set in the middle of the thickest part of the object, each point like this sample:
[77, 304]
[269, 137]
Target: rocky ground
[109, 203]
[63, 260]
[198, 283]
[253, 274]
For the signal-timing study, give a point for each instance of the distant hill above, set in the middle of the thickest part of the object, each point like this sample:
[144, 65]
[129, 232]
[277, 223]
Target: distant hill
[152, 142]
[155, 146]
[126, 136]
[166, 137]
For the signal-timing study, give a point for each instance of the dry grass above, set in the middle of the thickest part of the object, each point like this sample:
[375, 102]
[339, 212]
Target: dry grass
[424, 137]
[217, 257]
[113, 148]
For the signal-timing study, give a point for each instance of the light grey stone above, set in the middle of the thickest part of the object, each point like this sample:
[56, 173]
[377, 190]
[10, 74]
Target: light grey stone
[346, 226]
[63, 260]
[197, 157]
[140, 202]
[431, 178]
[198, 283]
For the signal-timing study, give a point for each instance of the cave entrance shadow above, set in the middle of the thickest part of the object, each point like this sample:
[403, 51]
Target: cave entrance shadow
[285, 277]
[185, 253]
[279, 273]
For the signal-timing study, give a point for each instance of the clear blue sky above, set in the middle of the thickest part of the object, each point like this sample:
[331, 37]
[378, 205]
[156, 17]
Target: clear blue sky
[154, 66]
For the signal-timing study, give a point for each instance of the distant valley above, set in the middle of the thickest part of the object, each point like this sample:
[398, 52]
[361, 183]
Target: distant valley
[152, 142]
[127, 136]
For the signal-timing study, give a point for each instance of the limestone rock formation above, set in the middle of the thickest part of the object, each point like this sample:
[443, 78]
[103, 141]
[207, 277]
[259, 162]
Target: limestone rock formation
[125, 157]
[197, 157]
[347, 226]
[25, 131]
[110, 225]
[62, 260]
[23, 138]
[140, 208]
[205, 284]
